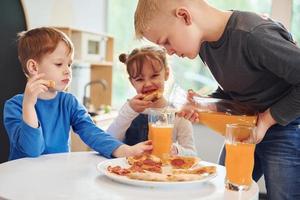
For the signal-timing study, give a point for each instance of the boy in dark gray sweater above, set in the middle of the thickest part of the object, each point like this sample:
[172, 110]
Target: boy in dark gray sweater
[254, 60]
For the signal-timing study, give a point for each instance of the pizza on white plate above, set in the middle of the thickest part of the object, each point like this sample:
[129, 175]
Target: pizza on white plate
[150, 168]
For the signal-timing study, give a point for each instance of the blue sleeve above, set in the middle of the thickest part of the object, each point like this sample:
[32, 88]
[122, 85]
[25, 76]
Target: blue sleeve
[24, 140]
[90, 134]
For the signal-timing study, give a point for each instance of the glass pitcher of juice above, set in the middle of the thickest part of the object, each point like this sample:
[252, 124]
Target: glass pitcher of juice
[214, 113]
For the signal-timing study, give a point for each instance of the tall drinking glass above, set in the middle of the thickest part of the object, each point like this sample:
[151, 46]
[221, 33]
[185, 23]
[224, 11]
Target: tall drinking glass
[240, 145]
[161, 123]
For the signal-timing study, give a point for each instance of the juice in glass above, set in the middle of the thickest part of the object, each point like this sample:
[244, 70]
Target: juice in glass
[161, 123]
[218, 120]
[161, 137]
[239, 162]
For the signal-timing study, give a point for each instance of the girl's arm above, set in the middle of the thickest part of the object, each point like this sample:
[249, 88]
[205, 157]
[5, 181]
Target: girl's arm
[185, 143]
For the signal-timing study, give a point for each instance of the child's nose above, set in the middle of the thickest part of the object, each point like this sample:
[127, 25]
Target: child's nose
[67, 70]
[170, 51]
[148, 83]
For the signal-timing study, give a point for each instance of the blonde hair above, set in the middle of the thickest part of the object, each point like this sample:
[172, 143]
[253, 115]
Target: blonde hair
[147, 10]
[36, 43]
[136, 59]
[144, 13]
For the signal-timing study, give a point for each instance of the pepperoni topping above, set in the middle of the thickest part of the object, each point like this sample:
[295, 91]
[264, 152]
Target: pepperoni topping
[177, 162]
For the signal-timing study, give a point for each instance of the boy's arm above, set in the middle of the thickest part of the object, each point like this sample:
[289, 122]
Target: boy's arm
[99, 140]
[89, 133]
[185, 137]
[279, 55]
[24, 139]
[122, 122]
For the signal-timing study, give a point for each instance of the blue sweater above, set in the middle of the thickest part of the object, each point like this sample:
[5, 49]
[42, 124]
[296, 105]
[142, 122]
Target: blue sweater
[56, 116]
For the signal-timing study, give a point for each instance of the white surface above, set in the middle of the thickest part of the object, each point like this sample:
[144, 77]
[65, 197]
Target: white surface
[90, 15]
[282, 11]
[74, 176]
[102, 167]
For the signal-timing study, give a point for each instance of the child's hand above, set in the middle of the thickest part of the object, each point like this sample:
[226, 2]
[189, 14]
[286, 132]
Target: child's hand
[174, 150]
[35, 86]
[189, 112]
[138, 104]
[265, 121]
[138, 149]
[191, 94]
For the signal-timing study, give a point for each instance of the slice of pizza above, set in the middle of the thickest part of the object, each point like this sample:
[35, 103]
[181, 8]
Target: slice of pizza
[132, 159]
[200, 170]
[185, 177]
[118, 170]
[145, 162]
[148, 176]
[183, 162]
[153, 96]
[168, 177]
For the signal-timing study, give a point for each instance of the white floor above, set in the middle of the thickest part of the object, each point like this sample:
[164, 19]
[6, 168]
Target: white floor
[209, 144]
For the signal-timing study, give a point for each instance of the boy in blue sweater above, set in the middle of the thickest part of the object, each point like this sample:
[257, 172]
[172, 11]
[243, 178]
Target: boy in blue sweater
[38, 121]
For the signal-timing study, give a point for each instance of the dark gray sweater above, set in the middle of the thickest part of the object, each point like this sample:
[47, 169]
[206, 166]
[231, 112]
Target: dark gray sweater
[256, 62]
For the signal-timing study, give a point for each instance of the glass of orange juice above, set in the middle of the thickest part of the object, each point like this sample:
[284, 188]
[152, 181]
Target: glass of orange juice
[161, 123]
[240, 145]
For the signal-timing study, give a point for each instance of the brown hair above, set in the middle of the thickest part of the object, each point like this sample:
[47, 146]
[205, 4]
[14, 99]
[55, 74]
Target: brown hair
[35, 43]
[136, 59]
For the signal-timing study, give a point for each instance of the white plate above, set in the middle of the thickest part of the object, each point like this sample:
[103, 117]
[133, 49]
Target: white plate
[102, 167]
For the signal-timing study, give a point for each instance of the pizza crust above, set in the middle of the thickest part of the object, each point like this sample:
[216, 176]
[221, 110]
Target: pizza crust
[153, 96]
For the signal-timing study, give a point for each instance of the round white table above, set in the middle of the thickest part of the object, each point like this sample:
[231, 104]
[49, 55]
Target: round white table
[74, 176]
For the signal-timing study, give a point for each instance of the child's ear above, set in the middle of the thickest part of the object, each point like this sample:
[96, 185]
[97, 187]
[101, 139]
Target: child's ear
[167, 73]
[32, 67]
[184, 14]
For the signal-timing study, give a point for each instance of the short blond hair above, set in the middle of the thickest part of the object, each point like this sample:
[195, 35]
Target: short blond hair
[144, 13]
[147, 10]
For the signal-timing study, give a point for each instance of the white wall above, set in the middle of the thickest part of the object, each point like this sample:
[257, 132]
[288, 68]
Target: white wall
[282, 12]
[87, 15]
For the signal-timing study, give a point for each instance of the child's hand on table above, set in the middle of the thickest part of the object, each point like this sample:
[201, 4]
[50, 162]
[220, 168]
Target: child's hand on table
[135, 150]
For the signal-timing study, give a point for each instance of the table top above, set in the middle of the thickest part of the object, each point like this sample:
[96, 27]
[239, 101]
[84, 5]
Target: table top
[74, 176]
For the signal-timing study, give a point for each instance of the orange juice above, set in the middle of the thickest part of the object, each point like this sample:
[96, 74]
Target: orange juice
[239, 163]
[161, 137]
[218, 120]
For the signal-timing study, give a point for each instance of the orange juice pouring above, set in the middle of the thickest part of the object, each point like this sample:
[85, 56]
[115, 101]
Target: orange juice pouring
[161, 123]
[239, 161]
[218, 120]
[216, 113]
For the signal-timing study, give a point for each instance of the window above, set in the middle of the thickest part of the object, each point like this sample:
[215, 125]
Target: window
[296, 21]
[187, 73]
